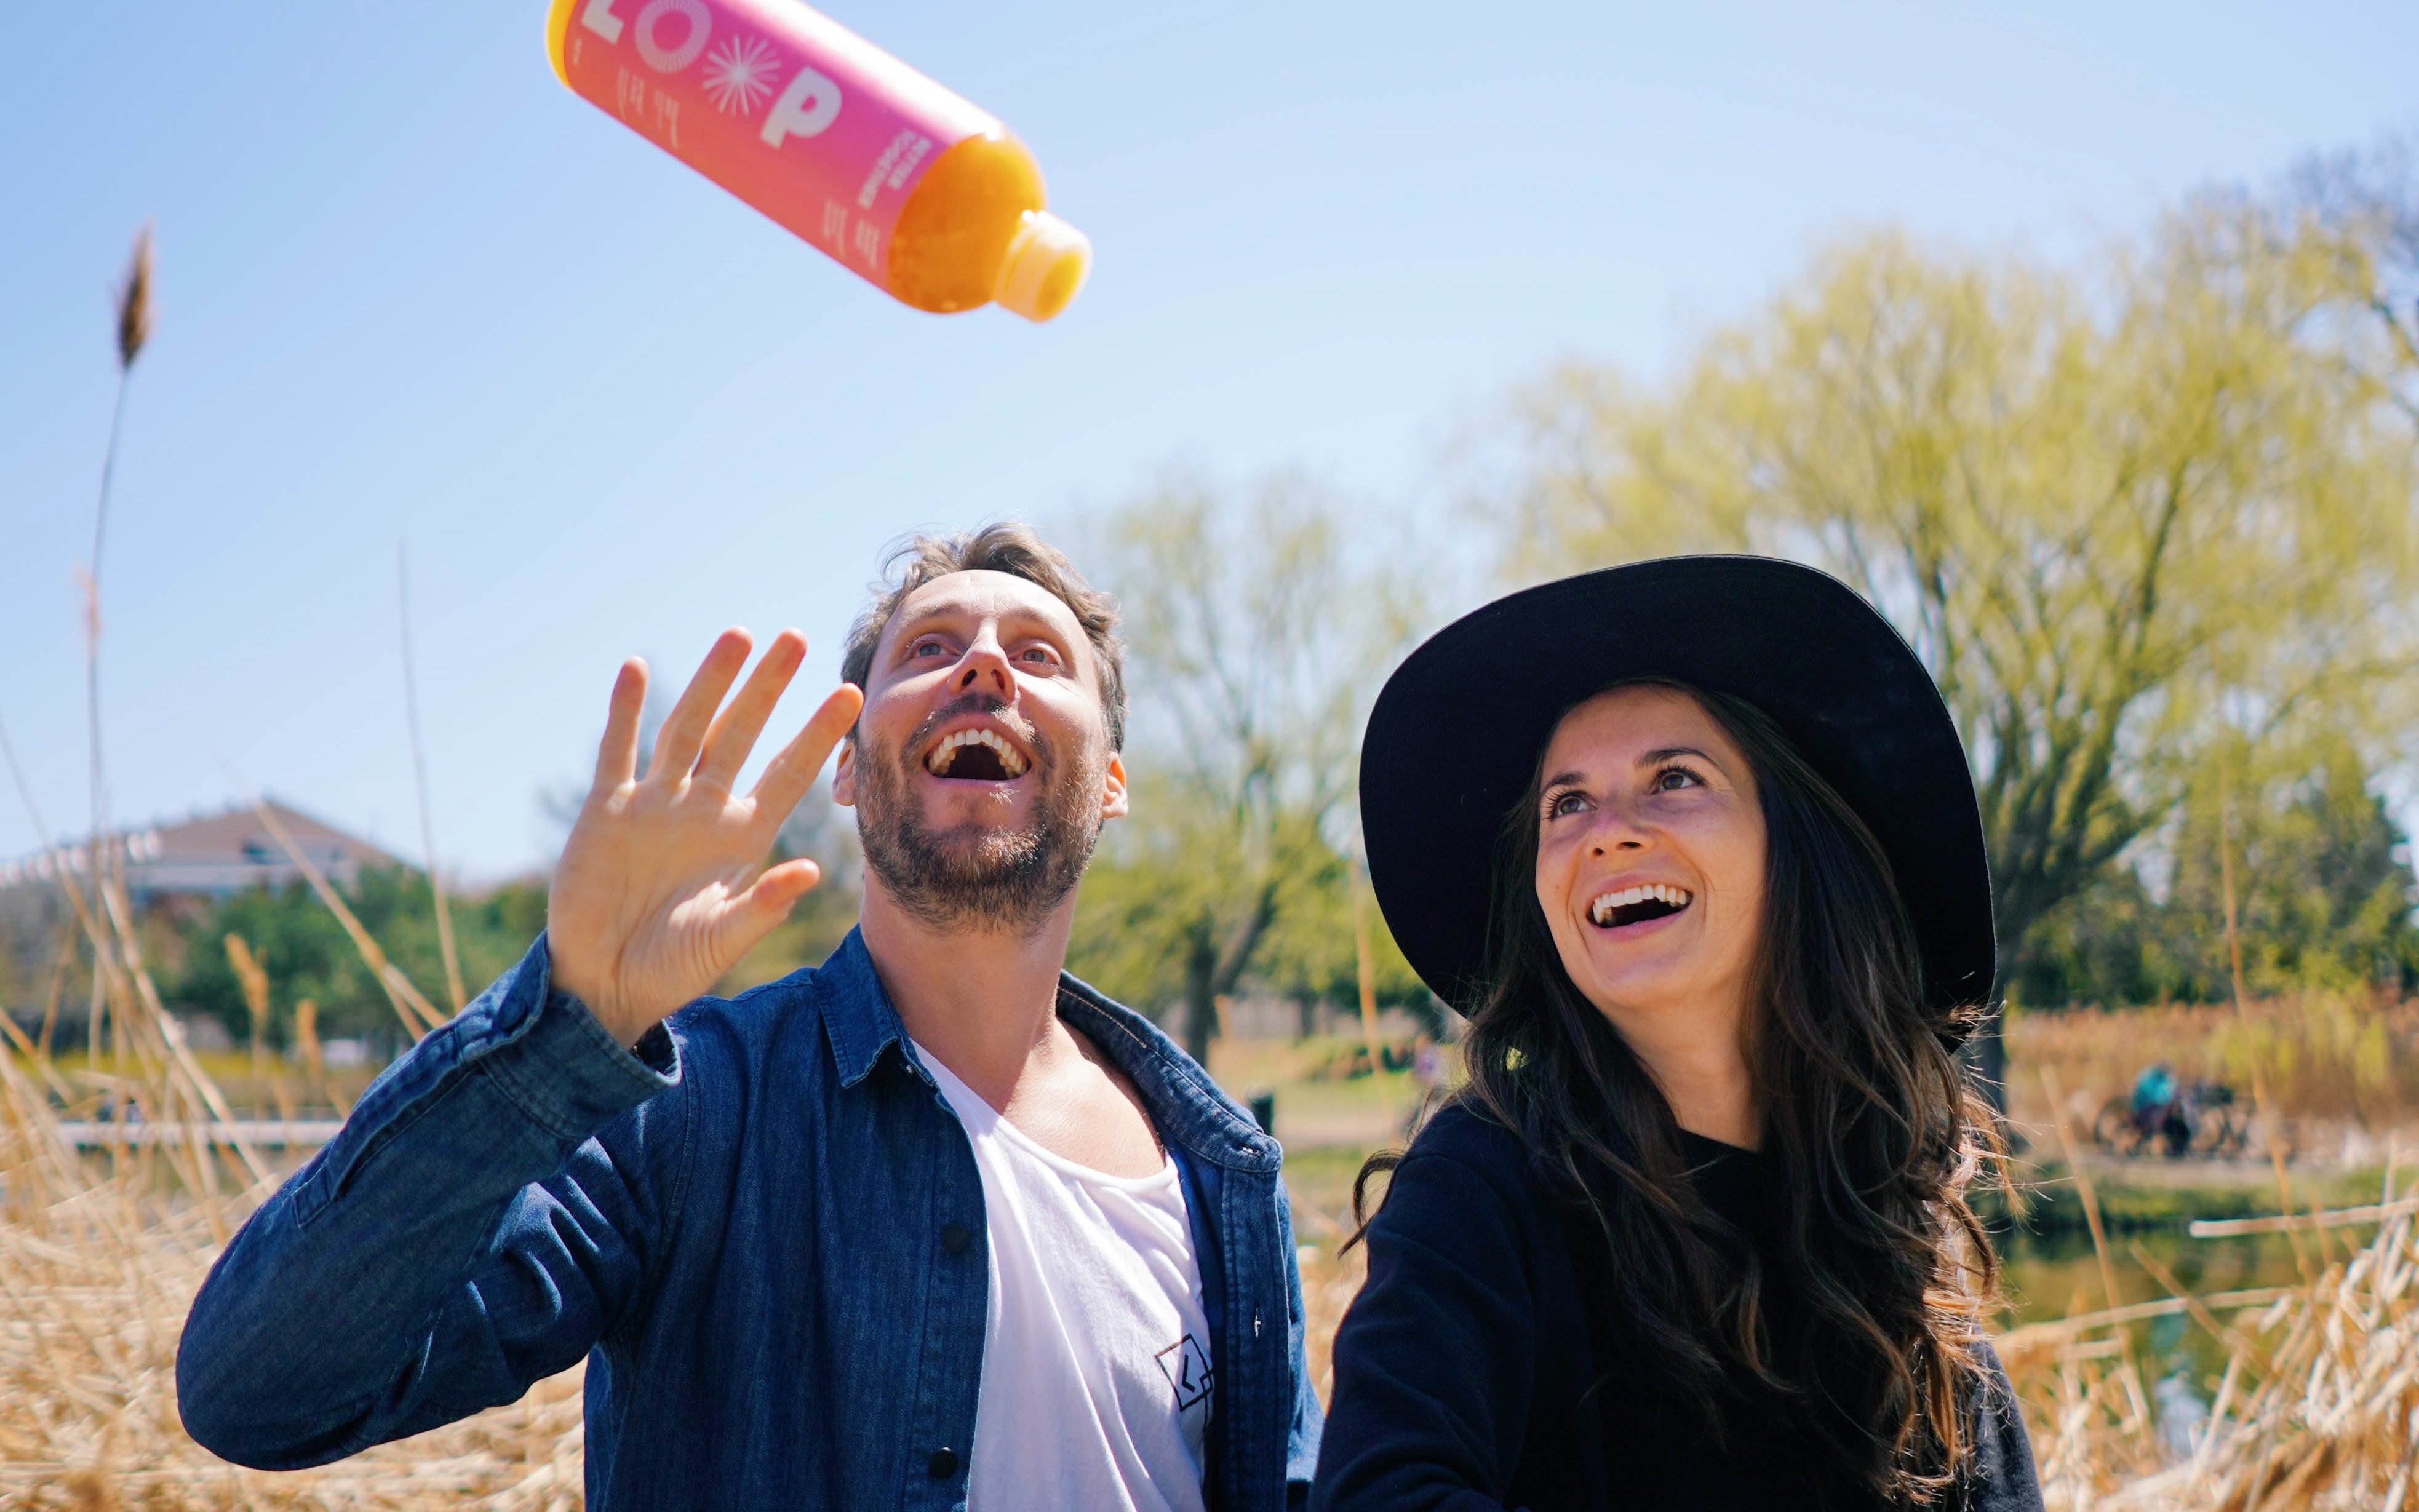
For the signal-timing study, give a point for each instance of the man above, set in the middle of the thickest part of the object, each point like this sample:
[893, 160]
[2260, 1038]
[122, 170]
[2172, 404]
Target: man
[930, 1225]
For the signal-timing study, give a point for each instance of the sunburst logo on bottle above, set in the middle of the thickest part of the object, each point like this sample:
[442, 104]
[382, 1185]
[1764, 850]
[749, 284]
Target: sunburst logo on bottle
[908, 184]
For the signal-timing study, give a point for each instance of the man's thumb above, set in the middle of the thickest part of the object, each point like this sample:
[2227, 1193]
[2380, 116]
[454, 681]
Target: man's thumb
[770, 900]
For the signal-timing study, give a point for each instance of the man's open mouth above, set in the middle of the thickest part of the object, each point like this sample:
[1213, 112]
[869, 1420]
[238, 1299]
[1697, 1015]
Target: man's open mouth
[976, 756]
[1639, 905]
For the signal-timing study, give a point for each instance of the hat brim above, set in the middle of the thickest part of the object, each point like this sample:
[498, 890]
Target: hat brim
[1456, 735]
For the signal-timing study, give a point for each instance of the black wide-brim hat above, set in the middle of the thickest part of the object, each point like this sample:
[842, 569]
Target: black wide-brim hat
[1457, 731]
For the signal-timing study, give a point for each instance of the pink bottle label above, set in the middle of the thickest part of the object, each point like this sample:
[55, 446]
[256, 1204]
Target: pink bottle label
[791, 111]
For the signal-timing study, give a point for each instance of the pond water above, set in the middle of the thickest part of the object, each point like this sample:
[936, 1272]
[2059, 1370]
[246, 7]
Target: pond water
[2055, 1275]
[2049, 1276]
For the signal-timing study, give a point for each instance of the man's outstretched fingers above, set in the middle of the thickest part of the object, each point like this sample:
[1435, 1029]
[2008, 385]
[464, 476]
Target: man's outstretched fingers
[617, 754]
[789, 774]
[734, 734]
[677, 742]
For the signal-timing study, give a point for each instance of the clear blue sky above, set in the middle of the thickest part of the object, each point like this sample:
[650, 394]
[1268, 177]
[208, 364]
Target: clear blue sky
[411, 288]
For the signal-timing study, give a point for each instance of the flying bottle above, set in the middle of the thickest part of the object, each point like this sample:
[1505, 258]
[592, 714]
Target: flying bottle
[906, 183]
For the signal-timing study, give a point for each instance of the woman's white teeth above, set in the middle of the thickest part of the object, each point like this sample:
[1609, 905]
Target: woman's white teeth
[944, 754]
[1651, 893]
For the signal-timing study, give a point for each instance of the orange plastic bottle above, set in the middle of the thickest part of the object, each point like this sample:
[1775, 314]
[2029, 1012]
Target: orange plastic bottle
[909, 185]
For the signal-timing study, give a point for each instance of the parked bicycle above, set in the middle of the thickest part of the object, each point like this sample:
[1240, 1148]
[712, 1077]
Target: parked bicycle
[2176, 1118]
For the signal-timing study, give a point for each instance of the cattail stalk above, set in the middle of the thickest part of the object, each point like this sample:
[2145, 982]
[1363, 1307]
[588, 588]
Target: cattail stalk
[306, 1044]
[133, 330]
[255, 980]
[2260, 1105]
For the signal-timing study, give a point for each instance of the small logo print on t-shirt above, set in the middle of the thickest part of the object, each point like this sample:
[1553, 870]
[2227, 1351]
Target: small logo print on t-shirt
[1187, 1365]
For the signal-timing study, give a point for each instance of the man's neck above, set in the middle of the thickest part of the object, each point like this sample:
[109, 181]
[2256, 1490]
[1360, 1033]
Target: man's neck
[985, 1002]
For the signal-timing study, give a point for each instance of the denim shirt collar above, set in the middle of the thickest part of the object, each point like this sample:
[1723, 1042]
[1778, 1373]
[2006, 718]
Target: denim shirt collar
[1185, 1104]
[857, 1017]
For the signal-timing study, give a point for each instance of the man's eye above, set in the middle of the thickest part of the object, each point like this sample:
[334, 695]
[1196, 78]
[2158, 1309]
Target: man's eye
[1038, 654]
[928, 648]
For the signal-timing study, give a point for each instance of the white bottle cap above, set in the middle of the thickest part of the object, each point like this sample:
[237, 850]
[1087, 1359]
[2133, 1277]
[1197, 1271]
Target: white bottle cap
[1046, 264]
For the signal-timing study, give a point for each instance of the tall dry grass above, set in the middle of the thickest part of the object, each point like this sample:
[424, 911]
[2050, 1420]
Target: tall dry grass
[97, 1269]
[2316, 1410]
[2318, 1407]
[100, 1256]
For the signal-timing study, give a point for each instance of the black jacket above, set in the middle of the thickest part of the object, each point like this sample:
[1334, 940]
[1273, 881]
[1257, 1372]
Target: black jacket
[1479, 1369]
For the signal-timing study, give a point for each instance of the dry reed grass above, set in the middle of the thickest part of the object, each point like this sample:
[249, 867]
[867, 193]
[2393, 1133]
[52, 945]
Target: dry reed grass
[2319, 1407]
[99, 1259]
[97, 1269]
[2317, 1410]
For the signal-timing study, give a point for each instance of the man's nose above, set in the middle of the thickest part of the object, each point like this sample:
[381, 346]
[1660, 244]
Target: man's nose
[985, 667]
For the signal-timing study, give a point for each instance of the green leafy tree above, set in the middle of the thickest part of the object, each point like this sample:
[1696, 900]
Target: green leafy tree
[1311, 955]
[2324, 892]
[2323, 883]
[2126, 515]
[307, 954]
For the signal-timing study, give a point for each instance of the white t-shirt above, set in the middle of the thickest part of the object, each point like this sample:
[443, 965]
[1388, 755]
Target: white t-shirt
[1096, 1385]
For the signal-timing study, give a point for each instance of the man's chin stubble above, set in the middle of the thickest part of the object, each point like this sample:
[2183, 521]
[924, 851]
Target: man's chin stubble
[973, 879]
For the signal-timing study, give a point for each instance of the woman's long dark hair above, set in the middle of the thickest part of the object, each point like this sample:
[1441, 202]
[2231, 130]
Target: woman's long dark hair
[1871, 1128]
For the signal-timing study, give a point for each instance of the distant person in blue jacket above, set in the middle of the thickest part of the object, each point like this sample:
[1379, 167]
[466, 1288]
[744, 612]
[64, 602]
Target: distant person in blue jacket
[1693, 846]
[933, 1225]
[2159, 1109]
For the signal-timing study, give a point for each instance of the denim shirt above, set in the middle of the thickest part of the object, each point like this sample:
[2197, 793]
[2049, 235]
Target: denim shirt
[763, 1227]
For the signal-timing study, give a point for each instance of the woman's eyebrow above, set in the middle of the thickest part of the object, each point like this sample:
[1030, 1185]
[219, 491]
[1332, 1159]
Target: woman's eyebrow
[1653, 757]
[1559, 778]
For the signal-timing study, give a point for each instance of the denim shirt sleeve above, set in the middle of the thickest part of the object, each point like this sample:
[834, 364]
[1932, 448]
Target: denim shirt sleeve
[488, 1214]
[1303, 1436]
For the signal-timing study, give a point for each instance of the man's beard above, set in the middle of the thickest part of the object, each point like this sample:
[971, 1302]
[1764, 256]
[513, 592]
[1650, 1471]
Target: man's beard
[977, 877]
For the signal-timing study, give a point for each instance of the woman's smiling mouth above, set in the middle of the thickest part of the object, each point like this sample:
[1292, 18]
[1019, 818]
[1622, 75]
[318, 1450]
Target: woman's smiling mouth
[1640, 904]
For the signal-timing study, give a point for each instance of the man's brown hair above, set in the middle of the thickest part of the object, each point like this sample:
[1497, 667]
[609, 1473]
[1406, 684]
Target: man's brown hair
[1017, 549]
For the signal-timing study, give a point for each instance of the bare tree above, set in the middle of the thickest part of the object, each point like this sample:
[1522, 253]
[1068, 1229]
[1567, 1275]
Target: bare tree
[1256, 638]
[2367, 202]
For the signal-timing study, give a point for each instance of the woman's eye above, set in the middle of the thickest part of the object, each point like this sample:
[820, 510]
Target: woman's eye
[1564, 803]
[1674, 777]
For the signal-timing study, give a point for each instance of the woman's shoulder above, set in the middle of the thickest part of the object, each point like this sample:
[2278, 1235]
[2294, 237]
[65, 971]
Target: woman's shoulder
[1469, 1154]
[1469, 1207]
[1467, 1138]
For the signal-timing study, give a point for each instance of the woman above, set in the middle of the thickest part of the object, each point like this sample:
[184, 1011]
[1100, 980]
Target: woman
[1694, 846]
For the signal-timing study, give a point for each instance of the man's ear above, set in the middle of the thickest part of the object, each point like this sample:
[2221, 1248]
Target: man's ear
[844, 772]
[1113, 788]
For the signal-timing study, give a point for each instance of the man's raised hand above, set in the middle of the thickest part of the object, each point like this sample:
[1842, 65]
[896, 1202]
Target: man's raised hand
[652, 902]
